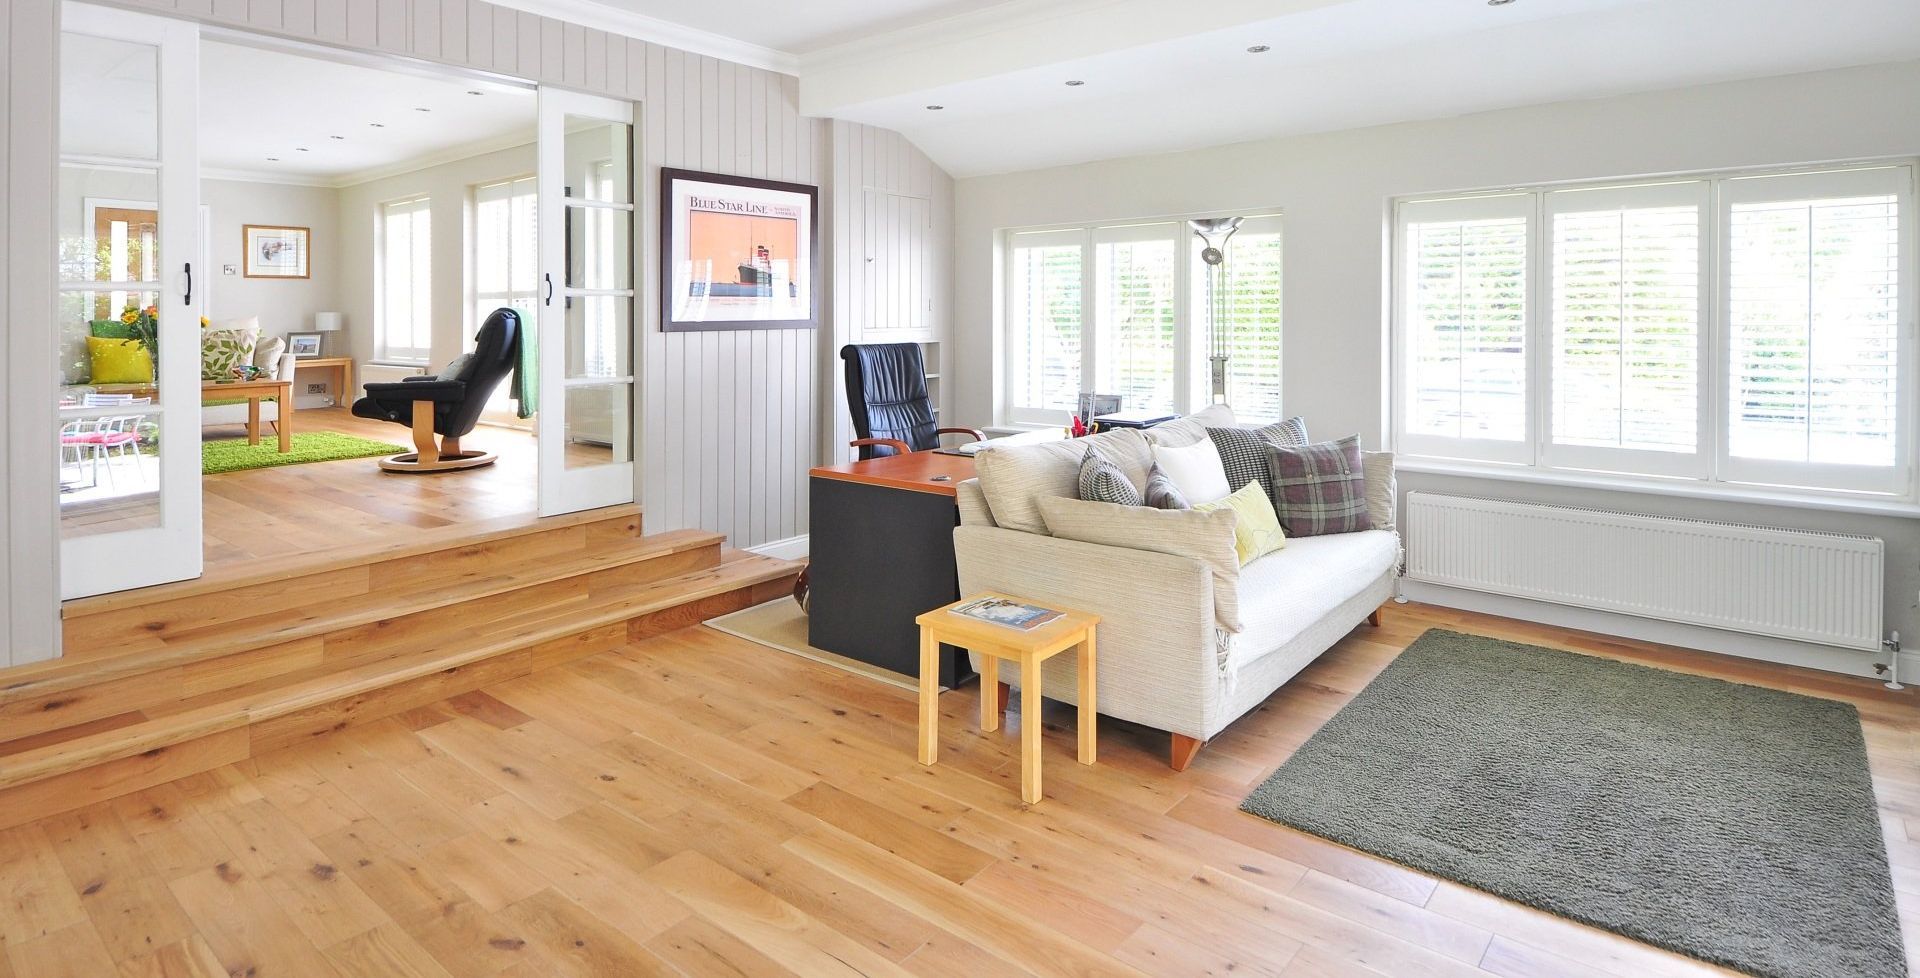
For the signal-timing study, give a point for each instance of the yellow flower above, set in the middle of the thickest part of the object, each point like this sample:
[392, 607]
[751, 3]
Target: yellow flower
[153, 311]
[130, 317]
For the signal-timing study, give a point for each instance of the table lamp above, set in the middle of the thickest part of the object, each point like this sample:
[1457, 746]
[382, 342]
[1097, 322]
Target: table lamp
[327, 322]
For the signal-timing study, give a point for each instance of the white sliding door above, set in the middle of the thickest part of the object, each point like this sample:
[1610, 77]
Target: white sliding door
[587, 222]
[130, 293]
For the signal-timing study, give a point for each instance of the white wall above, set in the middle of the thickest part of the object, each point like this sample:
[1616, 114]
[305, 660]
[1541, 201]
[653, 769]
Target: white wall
[1334, 189]
[283, 305]
[450, 185]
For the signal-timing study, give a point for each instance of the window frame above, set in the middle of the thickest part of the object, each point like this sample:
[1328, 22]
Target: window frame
[1190, 381]
[384, 351]
[1716, 472]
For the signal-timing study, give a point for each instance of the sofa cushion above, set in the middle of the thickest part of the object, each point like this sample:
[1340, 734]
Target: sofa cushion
[1256, 529]
[1381, 489]
[1319, 488]
[1193, 427]
[1161, 493]
[119, 361]
[1102, 481]
[1195, 469]
[266, 356]
[1205, 536]
[1243, 451]
[1014, 476]
[224, 348]
[1285, 593]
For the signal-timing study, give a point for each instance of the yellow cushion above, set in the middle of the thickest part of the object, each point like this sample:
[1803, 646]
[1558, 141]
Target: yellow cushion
[119, 361]
[1256, 527]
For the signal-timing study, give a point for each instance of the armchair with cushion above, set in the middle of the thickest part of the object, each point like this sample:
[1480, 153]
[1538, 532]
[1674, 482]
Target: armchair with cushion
[887, 396]
[447, 403]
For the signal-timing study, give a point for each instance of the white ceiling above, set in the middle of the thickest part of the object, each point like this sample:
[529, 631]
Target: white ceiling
[270, 113]
[795, 28]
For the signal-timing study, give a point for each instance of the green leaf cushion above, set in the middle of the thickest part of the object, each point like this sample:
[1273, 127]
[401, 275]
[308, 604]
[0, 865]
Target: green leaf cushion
[110, 329]
[221, 350]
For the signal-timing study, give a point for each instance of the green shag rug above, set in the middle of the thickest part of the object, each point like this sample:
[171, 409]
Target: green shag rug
[234, 454]
[1728, 822]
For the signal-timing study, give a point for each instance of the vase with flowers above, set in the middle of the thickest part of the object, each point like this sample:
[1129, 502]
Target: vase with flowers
[143, 324]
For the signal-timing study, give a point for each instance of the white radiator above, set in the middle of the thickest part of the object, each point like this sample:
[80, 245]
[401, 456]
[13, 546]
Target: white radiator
[1796, 584]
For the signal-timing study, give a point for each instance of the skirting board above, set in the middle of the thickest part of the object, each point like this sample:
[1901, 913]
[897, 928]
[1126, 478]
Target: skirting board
[792, 548]
[1843, 661]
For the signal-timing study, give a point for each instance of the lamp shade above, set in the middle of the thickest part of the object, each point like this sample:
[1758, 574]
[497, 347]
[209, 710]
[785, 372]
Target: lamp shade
[328, 322]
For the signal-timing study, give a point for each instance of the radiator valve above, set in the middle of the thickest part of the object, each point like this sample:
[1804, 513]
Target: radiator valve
[1891, 667]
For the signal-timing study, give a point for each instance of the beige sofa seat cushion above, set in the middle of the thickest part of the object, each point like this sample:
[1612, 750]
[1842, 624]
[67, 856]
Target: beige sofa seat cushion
[1202, 535]
[1192, 428]
[1288, 591]
[1015, 477]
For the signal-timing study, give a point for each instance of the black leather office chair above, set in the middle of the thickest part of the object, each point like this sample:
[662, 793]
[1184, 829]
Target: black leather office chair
[447, 403]
[887, 396]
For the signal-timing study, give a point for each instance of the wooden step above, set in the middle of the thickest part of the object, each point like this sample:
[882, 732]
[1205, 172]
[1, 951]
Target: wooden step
[198, 734]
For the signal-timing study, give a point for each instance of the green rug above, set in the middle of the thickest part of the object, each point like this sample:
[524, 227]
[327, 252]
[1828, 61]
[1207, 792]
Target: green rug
[1728, 822]
[234, 454]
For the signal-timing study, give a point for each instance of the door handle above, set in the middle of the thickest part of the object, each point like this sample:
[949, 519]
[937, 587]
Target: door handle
[549, 288]
[189, 298]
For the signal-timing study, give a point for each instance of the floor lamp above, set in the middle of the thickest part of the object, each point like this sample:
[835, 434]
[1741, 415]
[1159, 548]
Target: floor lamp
[1213, 233]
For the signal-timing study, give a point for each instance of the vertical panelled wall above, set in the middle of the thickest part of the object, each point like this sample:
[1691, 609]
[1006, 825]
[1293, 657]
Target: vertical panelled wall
[730, 417]
[892, 280]
[28, 450]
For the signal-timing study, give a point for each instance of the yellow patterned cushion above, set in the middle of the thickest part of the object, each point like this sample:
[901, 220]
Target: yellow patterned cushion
[119, 361]
[1256, 527]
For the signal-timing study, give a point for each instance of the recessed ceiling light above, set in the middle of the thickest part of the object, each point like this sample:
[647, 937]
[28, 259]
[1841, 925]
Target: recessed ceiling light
[475, 91]
[377, 125]
[420, 109]
[935, 108]
[1074, 83]
[299, 149]
[336, 137]
[273, 159]
[1259, 49]
[1498, 3]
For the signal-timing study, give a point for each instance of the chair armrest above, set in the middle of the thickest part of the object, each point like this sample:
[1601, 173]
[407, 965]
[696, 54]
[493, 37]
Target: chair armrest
[1160, 652]
[416, 378]
[283, 370]
[437, 391]
[899, 447]
[975, 433]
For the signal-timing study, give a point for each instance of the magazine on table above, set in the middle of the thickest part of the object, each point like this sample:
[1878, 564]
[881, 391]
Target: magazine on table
[1007, 613]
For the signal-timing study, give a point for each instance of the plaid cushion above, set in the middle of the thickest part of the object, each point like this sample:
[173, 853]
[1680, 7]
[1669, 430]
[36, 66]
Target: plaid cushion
[1319, 489]
[1103, 482]
[1243, 451]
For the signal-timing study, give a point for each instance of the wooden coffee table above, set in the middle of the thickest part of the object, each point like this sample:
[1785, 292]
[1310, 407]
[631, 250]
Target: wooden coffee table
[1072, 630]
[255, 391]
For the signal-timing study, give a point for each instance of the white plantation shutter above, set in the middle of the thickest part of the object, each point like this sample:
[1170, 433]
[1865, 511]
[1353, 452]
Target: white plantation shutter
[1819, 304]
[1252, 317]
[1627, 289]
[1134, 308]
[1464, 310]
[404, 328]
[504, 254]
[1046, 282]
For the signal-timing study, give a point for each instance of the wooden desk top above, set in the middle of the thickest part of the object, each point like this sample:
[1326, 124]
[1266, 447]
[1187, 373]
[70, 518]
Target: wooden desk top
[914, 471]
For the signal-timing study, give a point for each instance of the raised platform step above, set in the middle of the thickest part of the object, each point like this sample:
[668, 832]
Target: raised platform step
[461, 617]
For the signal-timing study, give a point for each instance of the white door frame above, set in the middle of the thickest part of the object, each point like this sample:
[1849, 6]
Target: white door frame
[170, 551]
[564, 490]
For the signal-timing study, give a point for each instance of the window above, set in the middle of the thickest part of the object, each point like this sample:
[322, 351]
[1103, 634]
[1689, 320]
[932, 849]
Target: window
[505, 260]
[1748, 329]
[404, 329]
[1124, 309]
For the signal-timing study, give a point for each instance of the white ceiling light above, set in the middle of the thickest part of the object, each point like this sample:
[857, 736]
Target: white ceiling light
[935, 108]
[1074, 83]
[1259, 49]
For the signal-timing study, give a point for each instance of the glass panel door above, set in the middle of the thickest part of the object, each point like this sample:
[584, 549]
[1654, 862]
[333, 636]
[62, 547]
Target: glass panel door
[586, 314]
[129, 361]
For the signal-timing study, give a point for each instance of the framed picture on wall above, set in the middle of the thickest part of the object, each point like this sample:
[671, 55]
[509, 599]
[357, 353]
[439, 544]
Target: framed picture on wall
[736, 253]
[276, 252]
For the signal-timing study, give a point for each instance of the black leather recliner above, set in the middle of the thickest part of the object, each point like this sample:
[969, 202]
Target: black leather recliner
[447, 403]
[887, 396]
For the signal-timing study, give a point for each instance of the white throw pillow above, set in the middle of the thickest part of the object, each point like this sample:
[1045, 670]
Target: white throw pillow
[1195, 470]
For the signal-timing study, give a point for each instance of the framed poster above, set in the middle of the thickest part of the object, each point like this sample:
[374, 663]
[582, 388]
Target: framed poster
[275, 252]
[736, 253]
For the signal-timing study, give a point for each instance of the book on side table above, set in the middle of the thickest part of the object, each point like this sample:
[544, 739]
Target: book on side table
[1007, 613]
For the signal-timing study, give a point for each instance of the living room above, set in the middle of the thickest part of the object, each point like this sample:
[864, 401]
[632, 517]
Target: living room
[1344, 487]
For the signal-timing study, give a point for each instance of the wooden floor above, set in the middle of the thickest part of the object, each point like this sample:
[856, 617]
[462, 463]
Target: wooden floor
[697, 804]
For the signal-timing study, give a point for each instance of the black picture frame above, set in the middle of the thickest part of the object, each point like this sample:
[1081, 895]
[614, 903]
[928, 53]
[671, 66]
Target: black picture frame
[677, 316]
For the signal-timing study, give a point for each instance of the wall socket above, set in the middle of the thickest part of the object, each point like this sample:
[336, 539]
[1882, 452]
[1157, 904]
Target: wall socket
[316, 388]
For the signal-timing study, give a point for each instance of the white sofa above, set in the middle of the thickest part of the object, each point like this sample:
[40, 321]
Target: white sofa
[1165, 661]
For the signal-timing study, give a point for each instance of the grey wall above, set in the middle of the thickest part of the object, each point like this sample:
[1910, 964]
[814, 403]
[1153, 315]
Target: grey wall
[1334, 190]
[730, 420]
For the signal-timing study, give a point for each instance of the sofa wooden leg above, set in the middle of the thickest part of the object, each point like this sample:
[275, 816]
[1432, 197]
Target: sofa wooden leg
[1006, 696]
[1374, 619]
[1184, 750]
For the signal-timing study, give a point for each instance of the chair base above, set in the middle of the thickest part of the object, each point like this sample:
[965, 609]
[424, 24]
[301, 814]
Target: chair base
[411, 462]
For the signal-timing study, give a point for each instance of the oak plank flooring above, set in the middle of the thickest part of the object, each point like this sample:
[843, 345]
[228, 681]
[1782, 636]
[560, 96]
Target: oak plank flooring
[695, 804]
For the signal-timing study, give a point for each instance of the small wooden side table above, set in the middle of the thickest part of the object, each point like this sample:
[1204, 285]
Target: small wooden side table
[1073, 629]
[342, 368]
